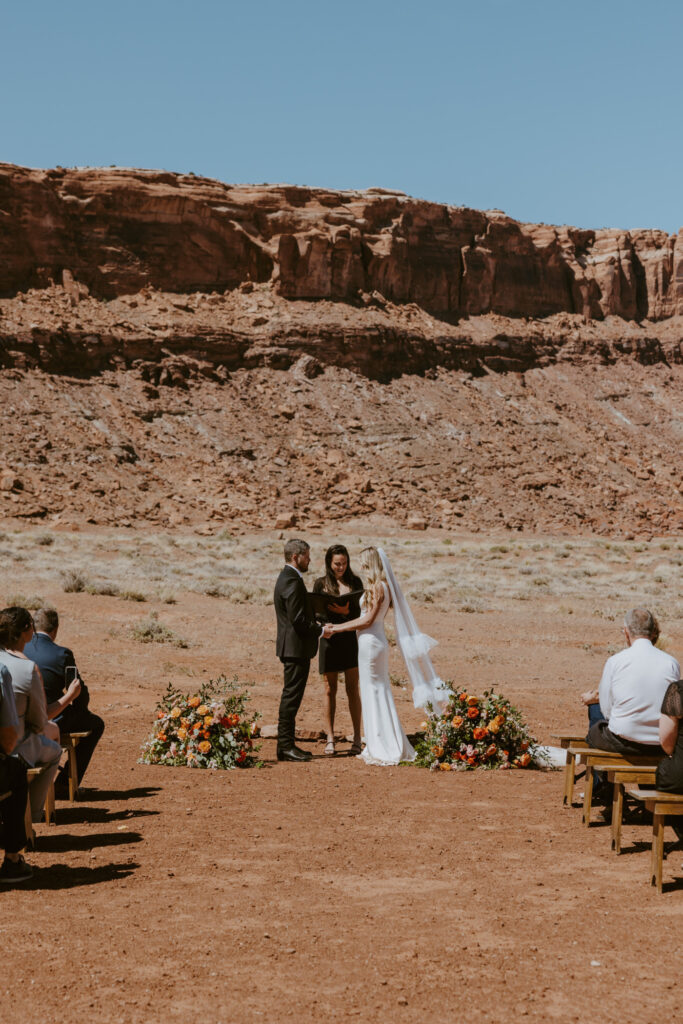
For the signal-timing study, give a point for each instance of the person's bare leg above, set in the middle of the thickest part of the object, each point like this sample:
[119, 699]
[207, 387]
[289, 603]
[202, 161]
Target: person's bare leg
[330, 704]
[353, 695]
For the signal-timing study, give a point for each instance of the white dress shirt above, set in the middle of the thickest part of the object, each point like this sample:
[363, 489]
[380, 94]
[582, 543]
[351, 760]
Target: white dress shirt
[632, 689]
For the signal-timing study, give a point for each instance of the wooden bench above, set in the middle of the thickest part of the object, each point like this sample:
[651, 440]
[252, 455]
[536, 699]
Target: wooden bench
[644, 775]
[662, 805]
[567, 740]
[33, 773]
[69, 742]
[604, 759]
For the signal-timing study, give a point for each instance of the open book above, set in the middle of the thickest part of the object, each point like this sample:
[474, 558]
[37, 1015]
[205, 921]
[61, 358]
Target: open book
[322, 600]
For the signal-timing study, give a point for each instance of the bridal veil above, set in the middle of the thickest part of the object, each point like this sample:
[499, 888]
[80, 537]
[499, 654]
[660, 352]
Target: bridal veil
[428, 687]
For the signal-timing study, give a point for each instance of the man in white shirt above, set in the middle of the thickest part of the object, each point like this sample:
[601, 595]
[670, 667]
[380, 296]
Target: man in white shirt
[632, 689]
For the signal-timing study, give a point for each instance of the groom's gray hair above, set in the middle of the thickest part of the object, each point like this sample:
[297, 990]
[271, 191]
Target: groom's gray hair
[295, 547]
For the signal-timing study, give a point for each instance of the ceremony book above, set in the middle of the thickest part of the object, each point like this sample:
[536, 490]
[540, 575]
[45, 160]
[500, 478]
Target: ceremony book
[322, 600]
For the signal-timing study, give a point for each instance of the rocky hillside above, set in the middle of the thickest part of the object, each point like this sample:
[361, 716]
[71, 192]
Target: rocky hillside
[174, 350]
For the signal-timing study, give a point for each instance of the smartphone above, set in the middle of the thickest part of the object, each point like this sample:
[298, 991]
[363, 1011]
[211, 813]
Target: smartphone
[70, 675]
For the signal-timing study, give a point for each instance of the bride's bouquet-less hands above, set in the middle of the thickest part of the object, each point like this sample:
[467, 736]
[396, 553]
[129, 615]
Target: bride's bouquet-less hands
[477, 732]
[208, 729]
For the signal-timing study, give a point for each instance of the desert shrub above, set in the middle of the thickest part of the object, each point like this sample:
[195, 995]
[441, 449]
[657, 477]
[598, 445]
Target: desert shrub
[151, 631]
[133, 595]
[74, 581]
[102, 589]
[45, 539]
[32, 603]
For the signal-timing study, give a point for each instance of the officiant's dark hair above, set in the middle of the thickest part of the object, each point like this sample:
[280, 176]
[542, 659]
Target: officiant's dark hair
[349, 577]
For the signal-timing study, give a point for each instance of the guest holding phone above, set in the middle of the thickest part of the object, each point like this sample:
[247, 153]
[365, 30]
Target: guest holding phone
[60, 676]
[340, 653]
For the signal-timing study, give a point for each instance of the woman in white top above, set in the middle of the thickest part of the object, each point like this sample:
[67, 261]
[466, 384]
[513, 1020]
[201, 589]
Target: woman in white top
[386, 742]
[39, 738]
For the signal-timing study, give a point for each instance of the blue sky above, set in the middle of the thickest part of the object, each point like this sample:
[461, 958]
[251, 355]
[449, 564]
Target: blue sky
[563, 112]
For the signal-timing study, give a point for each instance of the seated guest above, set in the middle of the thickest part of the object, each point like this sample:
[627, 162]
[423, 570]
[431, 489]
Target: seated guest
[58, 668]
[632, 689]
[35, 747]
[670, 769]
[13, 781]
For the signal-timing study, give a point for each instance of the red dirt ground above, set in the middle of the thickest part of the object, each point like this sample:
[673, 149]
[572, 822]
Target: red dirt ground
[332, 891]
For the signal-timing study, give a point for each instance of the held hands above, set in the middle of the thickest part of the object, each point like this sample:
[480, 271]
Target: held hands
[590, 697]
[328, 630]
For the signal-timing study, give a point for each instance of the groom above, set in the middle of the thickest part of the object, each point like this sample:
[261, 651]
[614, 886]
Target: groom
[297, 641]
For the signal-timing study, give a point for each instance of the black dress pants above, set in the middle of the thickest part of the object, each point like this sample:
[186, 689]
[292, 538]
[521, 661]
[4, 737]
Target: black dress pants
[79, 720]
[12, 831]
[601, 737]
[296, 676]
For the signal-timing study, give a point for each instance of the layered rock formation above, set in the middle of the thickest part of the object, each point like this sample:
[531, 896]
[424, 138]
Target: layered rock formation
[119, 230]
[177, 351]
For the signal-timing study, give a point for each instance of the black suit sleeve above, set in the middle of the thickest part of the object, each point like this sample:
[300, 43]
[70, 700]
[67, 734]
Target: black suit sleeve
[83, 699]
[298, 611]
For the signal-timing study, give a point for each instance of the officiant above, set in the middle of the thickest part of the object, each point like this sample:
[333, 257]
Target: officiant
[340, 653]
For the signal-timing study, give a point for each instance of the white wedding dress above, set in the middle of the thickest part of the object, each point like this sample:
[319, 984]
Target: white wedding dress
[386, 742]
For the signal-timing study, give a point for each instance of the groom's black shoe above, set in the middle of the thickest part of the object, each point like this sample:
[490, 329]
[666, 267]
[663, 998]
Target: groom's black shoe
[294, 753]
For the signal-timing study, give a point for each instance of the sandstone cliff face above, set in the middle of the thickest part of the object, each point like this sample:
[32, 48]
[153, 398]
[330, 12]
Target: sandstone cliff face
[119, 230]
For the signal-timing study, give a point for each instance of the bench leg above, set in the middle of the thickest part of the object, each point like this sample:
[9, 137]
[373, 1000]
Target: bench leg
[569, 774]
[73, 772]
[657, 850]
[617, 814]
[588, 795]
[50, 805]
[28, 825]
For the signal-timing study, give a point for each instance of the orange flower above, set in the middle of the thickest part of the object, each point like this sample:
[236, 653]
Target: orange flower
[524, 746]
[472, 700]
[185, 722]
[182, 733]
[208, 721]
[176, 713]
[480, 732]
[490, 751]
[471, 760]
[495, 723]
[160, 714]
[473, 712]
[205, 734]
[524, 760]
[457, 721]
[205, 747]
[463, 696]
[437, 751]
[445, 766]
[233, 719]
[203, 710]
[161, 736]
[194, 702]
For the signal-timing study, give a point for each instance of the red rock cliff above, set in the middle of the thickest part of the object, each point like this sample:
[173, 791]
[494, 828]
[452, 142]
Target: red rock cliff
[118, 230]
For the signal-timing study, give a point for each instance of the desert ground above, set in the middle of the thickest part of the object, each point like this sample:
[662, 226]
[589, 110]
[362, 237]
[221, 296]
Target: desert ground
[331, 891]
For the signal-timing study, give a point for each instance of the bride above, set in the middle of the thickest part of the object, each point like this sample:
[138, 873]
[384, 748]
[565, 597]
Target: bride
[386, 742]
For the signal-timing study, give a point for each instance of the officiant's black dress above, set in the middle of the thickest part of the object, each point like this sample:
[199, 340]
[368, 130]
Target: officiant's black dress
[340, 652]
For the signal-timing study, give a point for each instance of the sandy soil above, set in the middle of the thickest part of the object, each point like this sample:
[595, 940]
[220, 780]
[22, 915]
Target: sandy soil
[331, 891]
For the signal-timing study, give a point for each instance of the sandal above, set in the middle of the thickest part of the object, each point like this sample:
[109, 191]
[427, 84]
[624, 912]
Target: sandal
[329, 748]
[356, 749]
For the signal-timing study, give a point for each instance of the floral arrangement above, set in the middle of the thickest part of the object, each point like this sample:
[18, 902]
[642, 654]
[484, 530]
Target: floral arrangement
[476, 732]
[208, 729]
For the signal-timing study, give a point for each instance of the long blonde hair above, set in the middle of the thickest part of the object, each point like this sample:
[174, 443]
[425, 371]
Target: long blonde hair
[371, 566]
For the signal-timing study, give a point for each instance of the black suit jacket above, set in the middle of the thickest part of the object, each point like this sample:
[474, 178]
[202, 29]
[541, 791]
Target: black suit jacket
[53, 660]
[297, 629]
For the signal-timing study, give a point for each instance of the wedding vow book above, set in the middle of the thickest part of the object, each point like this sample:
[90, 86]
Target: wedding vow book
[321, 600]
